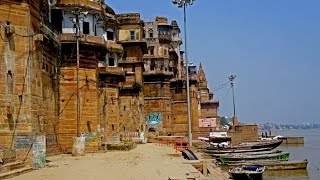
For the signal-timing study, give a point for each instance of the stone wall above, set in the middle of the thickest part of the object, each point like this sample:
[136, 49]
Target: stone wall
[68, 105]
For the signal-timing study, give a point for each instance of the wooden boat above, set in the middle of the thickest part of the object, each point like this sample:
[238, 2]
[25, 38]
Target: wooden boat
[247, 153]
[244, 172]
[254, 145]
[234, 151]
[282, 156]
[275, 164]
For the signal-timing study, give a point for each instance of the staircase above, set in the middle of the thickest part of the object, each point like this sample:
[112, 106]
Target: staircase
[13, 169]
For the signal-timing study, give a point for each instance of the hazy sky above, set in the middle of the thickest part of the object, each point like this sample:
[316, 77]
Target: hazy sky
[273, 46]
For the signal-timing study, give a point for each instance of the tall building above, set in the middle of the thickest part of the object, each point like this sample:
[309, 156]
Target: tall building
[131, 77]
[29, 53]
[161, 65]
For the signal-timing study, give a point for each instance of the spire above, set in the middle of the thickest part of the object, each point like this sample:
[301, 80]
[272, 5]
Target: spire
[201, 74]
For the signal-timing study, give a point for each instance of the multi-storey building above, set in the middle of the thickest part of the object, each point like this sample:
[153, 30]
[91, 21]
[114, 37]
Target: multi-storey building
[165, 83]
[131, 74]
[131, 97]
[29, 52]
[160, 65]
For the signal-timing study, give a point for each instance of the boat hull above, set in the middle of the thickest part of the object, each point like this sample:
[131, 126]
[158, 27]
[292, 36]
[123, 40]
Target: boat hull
[275, 165]
[257, 145]
[277, 156]
[244, 172]
[244, 176]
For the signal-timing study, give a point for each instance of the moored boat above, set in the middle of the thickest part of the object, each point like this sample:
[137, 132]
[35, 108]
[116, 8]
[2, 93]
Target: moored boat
[247, 153]
[277, 156]
[255, 145]
[275, 164]
[224, 151]
[244, 172]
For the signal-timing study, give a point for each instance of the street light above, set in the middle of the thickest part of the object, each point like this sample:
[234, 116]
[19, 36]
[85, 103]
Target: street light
[184, 4]
[231, 79]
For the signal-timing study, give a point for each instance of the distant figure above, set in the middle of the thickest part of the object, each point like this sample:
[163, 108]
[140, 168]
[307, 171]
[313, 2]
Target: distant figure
[266, 134]
[262, 134]
[269, 132]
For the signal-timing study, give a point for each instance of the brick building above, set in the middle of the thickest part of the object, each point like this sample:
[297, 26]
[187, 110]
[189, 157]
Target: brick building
[131, 73]
[29, 52]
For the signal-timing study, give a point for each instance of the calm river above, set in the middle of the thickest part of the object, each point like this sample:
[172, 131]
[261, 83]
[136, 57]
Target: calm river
[310, 150]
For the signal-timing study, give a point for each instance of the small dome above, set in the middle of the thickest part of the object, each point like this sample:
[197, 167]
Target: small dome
[109, 10]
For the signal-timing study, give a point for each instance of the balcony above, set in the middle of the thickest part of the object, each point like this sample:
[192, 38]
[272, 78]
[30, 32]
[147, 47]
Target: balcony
[165, 38]
[115, 71]
[157, 73]
[210, 102]
[90, 39]
[177, 39]
[113, 47]
[131, 60]
[130, 86]
[93, 4]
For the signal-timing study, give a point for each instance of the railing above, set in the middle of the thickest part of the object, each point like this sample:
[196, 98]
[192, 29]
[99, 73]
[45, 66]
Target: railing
[158, 72]
[111, 70]
[166, 37]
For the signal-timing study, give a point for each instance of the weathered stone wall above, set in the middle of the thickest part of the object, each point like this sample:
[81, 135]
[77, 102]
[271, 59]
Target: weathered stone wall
[243, 133]
[180, 113]
[131, 111]
[68, 105]
[158, 106]
[17, 57]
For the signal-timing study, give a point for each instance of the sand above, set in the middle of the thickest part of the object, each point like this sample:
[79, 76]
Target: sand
[146, 162]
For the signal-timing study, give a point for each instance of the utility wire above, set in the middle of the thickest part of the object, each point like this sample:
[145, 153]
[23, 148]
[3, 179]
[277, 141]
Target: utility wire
[225, 95]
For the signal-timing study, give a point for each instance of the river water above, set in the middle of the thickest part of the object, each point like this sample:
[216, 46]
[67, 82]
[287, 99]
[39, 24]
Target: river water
[310, 150]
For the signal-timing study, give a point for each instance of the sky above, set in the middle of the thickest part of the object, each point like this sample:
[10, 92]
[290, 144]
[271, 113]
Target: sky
[272, 46]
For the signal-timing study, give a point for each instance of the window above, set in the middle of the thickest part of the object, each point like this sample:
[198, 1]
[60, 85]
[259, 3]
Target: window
[150, 35]
[10, 82]
[165, 52]
[132, 35]
[152, 66]
[151, 50]
[110, 34]
[86, 29]
[10, 37]
[112, 61]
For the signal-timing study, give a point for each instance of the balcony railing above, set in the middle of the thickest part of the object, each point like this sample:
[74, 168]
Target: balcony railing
[114, 47]
[165, 37]
[158, 72]
[90, 39]
[95, 4]
[111, 71]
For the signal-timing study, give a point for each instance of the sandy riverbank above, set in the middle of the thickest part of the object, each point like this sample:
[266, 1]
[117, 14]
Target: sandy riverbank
[146, 162]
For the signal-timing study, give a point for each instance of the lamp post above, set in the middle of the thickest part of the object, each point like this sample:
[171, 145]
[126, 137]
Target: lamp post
[183, 4]
[231, 79]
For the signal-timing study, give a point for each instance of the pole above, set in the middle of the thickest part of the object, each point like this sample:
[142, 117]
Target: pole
[231, 79]
[234, 105]
[78, 65]
[187, 74]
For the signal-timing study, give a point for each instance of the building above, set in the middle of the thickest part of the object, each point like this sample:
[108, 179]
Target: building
[161, 65]
[29, 51]
[131, 77]
[131, 97]
[208, 118]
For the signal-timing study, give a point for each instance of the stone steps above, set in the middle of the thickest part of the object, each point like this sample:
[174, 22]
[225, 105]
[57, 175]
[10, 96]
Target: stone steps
[15, 172]
[11, 166]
